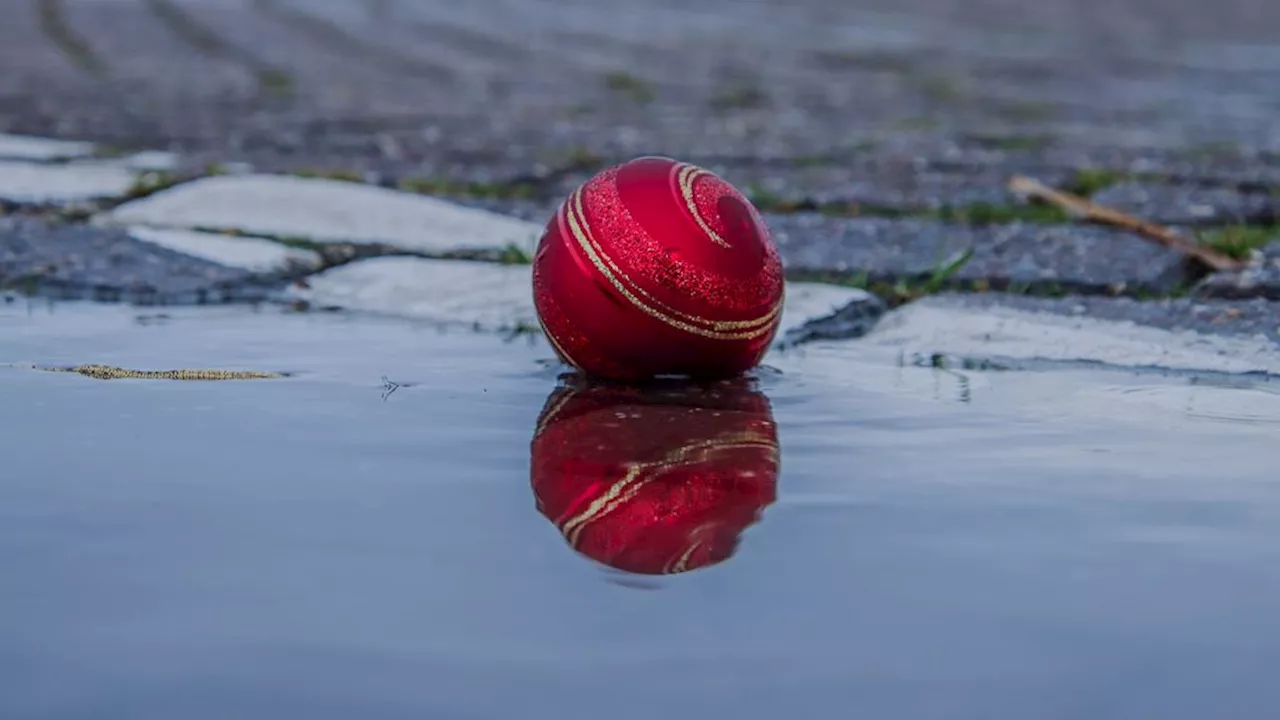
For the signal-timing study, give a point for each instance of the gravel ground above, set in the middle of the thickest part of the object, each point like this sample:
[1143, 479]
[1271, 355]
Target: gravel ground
[1039, 257]
[1174, 204]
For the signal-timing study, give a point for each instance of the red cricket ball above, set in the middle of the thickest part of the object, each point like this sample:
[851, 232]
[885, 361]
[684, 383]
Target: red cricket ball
[655, 481]
[658, 267]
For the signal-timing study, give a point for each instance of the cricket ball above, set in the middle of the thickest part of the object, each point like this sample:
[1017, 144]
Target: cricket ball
[657, 267]
[654, 481]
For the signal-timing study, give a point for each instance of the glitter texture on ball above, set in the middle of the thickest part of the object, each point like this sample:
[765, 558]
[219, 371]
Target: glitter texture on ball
[657, 267]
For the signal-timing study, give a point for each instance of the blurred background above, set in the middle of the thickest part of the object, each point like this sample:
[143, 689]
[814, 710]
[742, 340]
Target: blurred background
[541, 81]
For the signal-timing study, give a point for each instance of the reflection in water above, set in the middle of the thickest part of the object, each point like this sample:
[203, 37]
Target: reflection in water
[658, 479]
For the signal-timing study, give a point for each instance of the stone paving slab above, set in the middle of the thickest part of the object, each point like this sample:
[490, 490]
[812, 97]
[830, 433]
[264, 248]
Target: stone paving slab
[998, 331]
[259, 256]
[33, 148]
[1190, 205]
[326, 211]
[1048, 257]
[24, 183]
[1260, 280]
[1256, 318]
[107, 264]
[499, 298]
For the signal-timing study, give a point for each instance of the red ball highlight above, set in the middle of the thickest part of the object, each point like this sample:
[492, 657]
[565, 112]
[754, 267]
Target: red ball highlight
[657, 267]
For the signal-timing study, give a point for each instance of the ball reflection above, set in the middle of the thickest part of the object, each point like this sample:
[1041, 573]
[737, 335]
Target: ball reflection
[655, 479]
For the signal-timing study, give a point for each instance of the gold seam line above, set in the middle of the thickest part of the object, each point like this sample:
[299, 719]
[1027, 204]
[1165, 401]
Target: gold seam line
[681, 563]
[579, 227]
[549, 415]
[564, 353]
[686, 176]
[620, 492]
[573, 527]
[592, 255]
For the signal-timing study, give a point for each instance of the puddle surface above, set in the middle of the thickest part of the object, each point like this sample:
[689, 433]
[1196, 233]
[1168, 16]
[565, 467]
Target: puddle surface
[416, 524]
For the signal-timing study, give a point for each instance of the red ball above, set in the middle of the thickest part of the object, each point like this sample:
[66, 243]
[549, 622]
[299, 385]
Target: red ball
[657, 267]
[654, 482]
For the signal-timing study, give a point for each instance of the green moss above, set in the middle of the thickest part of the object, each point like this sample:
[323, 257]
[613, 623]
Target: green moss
[581, 157]
[275, 82]
[1239, 241]
[991, 214]
[943, 89]
[896, 291]
[915, 124]
[804, 161]
[634, 88]
[1089, 181]
[342, 175]
[513, 254]
[460, 188]
[943, 273]
[151, 182]
[301, 243]
[112, 151]
[1210, 150]
[741, 96]
[764, 199]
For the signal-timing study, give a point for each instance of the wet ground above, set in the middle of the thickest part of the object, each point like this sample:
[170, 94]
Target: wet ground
[420, 523]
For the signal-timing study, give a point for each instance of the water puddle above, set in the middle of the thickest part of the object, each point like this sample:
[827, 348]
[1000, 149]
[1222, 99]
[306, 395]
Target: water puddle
[417, 522]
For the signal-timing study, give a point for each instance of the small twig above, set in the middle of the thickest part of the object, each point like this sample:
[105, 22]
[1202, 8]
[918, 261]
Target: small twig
[108, 372]
[1108, 216]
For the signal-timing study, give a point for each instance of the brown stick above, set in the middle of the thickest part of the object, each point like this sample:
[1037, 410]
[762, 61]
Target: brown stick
[1101, 214]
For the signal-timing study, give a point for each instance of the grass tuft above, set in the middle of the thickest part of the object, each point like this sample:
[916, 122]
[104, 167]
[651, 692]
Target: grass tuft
[1239, 241]
[635, 88]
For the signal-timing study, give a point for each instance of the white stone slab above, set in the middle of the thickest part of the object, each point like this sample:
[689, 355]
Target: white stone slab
[933, 326]
[487, 296]
[253, 254]
[152, 160]
[492, 296]
[809, 301]
[38, 149]
[325, 210]
[26, 182]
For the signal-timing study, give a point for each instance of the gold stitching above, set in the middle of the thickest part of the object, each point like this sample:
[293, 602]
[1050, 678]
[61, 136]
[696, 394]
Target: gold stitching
[582, 233]
[687, 176]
